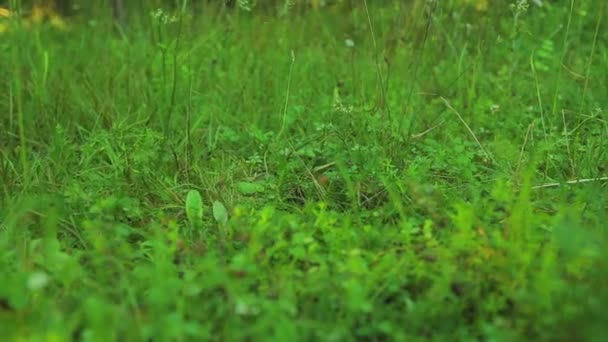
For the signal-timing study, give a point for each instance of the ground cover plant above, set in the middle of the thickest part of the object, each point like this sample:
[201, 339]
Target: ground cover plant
[364, 170]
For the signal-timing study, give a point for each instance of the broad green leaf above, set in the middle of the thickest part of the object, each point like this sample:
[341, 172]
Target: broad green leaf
[220, 214]
[249, 188]
[194, 208]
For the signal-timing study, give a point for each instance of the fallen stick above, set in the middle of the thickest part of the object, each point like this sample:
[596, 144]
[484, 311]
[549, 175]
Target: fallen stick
[575, 181]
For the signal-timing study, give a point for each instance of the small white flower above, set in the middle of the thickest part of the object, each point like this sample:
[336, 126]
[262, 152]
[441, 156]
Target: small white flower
[522, 5]
[349, 43]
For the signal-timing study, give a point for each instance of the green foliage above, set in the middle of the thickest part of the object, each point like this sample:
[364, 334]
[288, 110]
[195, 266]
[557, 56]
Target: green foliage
[194, 208]
[236, 175]
[249, 188]
[220, 214]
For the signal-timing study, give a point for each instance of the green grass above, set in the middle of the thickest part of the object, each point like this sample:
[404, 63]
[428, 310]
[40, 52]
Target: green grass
[398, 189]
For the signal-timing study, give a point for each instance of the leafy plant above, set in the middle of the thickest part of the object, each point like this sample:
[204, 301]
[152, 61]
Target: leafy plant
[194, 209]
